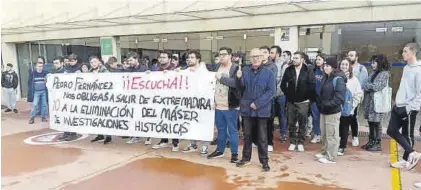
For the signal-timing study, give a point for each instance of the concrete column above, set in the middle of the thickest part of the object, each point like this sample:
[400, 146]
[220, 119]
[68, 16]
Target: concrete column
[287, 38]
[110, 46]
[9, 55]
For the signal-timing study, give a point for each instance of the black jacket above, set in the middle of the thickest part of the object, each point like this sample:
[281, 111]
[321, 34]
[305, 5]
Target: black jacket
[330, 99]
[233, 94]
[9, 80]
[302, 90]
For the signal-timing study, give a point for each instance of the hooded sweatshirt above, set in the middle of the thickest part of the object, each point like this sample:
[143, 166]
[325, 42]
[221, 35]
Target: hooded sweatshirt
[409, 92]
[353, 84]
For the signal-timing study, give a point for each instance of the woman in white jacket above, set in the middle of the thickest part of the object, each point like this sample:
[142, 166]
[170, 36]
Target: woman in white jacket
[353, 85]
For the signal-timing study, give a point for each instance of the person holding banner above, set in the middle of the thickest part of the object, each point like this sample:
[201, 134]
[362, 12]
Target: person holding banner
[226, 105]
[258, 85]
[194, 65]
[96, 67]
[135, 66]
[165, 64]
[73, 66]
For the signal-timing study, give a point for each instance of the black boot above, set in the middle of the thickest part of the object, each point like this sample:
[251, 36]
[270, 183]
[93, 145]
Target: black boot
[370, 136]
[377, 136]
[376, 146]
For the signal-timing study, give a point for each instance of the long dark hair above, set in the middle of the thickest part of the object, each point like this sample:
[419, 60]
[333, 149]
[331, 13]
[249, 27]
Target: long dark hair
[382, 64]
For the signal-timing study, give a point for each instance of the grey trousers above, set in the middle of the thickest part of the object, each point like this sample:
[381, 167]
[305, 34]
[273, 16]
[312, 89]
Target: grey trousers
[10, 96]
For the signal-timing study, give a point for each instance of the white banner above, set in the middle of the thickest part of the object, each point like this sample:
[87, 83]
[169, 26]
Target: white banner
[159, 105]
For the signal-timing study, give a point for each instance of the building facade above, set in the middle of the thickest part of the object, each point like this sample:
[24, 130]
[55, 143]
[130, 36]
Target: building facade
[113, 29]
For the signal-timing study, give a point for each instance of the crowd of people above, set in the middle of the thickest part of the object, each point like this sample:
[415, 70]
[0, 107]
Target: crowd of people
[250, 95]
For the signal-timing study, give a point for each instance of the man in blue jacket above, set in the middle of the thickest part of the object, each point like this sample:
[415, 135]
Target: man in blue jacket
[258, 85]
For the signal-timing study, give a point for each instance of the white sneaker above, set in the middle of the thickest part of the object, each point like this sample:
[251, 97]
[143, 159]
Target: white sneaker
[414, 157]
[160, 145]
[133, 140]
[300, 148]
[355, 141]
[148, 141]
[175, 148]
[418, 185]
[291, 147]
[320, 155]
[254, 146]
[341, 152]
[316, 139]
[270, 148]
[400, 165]
[326, 161]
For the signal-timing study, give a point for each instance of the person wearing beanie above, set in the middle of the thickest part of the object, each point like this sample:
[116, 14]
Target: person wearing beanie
[329, 101]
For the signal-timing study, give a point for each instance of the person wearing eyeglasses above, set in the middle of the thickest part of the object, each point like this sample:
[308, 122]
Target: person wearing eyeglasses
[257, 85]
[226, 105]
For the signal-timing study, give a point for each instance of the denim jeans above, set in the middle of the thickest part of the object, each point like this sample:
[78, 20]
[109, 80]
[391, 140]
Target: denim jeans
[10, 95]
[227, 119]
[40, 102]
[315, 114]
[281, 103]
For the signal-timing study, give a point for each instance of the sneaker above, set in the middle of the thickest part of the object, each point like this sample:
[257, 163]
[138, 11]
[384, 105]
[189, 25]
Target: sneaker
[400, 165]
[133, 140]
[320, 155]
[63, 136]
[355, 141]
[160, 145]
[71, 137]
[254, 145]
[242, 163]
[414, 158]
[418, 185]
[44, 120]
[341, 151]
[216, 154]
[291, 147]
[270, 148]
[204, 151]
[283, 138]
[107, 140]
[175, 148]
[266, 167]
[234, 158]
[214, 142]
[7, 110]
[316, 139]
[300, 148]
[190, 148]
[308, 133]
[148, 141]
[326, 161]
[31, 121]
[98, 138]
[15, 110]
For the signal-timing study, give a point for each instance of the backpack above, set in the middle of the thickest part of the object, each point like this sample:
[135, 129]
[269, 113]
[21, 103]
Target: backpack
[346, 108]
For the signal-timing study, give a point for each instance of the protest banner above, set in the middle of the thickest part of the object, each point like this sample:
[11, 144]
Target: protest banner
[157, 104]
